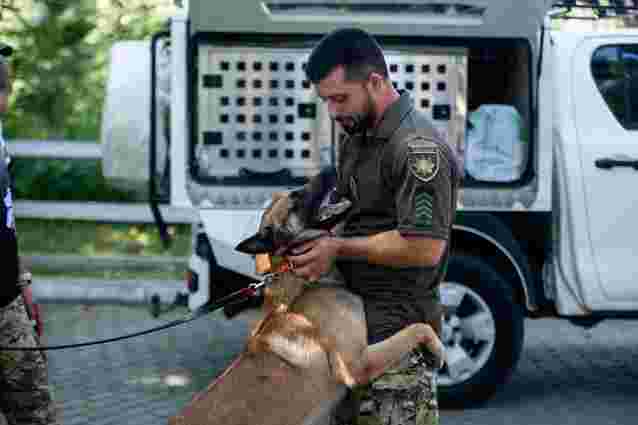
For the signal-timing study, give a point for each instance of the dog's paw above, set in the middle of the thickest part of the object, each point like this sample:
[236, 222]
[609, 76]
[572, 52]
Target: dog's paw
[340, 370]
[439, 353]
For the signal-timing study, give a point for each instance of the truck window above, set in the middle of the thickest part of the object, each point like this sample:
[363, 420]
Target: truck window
[615, 70]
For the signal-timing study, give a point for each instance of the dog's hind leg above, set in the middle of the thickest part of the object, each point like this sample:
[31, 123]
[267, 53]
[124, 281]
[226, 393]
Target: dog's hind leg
[379, 357]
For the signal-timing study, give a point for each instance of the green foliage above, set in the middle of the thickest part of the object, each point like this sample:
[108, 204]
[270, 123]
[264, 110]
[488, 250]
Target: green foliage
[61, 60]
[75, 237]
[63, 180]
[60, 69]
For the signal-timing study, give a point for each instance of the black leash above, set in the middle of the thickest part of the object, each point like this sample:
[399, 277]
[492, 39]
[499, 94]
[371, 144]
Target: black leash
[249, 291]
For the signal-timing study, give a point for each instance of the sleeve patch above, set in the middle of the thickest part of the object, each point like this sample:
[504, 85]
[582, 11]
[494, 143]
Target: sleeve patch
[424, 160]
[423, 210]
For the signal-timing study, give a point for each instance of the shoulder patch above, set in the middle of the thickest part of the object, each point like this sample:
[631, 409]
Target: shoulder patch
[424, 159]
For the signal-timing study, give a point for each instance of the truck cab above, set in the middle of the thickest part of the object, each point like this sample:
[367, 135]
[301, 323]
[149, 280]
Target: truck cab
[541, 118]
[594, 134]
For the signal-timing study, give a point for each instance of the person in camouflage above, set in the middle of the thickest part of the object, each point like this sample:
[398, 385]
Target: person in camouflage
[24, 394]
[393, 249]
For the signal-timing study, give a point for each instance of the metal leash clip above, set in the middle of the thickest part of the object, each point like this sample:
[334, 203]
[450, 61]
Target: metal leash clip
[256, 287]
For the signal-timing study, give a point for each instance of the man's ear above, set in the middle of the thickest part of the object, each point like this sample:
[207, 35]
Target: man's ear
[255, 244]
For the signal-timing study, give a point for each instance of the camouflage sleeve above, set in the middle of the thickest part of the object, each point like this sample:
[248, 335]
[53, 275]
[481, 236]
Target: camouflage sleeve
[422, 179]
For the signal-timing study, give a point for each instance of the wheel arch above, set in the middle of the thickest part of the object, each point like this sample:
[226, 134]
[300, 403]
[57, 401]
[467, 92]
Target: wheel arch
[485, 236]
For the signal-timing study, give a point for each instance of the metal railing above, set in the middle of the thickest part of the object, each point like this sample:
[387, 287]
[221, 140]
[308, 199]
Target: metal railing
[114, 212]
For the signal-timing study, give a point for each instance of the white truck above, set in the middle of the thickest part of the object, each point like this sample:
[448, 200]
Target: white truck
[544, 119]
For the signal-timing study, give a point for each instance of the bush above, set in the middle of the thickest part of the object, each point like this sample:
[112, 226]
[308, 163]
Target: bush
[63, 237]
[64, 180]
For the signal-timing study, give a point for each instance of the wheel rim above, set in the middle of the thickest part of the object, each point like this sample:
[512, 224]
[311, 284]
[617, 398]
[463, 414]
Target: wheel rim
[468, 332]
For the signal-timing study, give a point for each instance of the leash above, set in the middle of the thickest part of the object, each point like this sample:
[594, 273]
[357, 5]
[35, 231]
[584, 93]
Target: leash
[249, 291]
[282, 267]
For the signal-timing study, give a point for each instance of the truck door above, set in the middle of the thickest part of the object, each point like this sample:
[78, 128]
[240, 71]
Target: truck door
[605, 105]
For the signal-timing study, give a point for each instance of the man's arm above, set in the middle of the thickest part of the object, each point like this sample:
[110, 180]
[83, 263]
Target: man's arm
[387, 248]
[393, 249]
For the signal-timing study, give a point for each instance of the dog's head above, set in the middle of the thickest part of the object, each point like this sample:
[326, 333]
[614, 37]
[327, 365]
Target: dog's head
[312, 212]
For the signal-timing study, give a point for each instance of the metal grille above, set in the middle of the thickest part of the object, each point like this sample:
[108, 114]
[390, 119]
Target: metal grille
[257, 112]
[437, 81]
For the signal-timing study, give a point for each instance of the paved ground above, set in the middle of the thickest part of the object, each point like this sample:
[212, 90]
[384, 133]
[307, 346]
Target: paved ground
[137, 381]
[566, 375]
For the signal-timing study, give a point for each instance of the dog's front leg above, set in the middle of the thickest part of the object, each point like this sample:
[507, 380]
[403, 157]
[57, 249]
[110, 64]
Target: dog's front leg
[378, 358]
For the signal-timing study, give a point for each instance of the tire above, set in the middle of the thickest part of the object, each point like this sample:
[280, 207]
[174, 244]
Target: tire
[471, 292]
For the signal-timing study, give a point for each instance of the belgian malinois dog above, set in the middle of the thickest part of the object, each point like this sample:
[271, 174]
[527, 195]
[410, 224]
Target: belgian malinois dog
[312, 340]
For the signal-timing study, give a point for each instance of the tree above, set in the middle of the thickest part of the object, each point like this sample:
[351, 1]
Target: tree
[60, 64]
[61, 59]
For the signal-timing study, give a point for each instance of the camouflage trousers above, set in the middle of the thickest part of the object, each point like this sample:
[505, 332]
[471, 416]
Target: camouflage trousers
[404, 395]
[24, 395]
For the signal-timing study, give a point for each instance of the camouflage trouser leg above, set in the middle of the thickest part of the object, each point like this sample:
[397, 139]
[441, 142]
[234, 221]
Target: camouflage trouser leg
[24, 394]
[405, 395]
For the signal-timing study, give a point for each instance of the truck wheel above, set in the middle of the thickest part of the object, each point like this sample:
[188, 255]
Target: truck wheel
[482, 332]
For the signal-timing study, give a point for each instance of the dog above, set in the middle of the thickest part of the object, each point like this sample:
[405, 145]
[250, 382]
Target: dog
[312, 340]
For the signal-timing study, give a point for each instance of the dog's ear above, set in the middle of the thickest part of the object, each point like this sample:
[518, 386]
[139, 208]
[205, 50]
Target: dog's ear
[256, 244]
[330, 213]
[320, 186]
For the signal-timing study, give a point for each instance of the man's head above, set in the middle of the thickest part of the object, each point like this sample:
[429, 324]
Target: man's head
[350, 73]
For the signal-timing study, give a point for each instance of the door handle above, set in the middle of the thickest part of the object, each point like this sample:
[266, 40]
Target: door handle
[608, 163]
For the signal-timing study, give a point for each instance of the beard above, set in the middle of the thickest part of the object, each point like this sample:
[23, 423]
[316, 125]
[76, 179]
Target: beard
[357, 122]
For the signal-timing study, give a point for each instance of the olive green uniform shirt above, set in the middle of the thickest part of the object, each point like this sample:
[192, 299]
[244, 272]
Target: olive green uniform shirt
[400, 176]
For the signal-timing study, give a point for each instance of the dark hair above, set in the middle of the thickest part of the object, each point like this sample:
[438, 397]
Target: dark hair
[353, 48]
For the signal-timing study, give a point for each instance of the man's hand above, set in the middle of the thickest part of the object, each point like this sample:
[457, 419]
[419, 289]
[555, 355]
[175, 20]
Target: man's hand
[314, 258]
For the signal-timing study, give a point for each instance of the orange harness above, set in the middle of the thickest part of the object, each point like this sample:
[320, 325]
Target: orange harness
[264, 264]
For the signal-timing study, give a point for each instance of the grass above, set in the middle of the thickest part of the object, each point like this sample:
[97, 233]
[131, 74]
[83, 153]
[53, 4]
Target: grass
[69, 237]
[59, 237]
[110, 274]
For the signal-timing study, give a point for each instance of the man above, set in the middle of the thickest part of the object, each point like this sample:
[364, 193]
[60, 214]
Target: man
[403, 180]
[24, 395]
